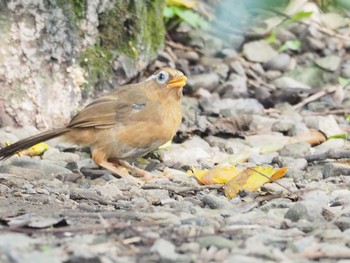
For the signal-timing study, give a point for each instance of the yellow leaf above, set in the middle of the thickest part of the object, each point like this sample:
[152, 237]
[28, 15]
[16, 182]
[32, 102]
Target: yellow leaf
[217, 175]
[252, 179]
[182, 3]
[35, 150]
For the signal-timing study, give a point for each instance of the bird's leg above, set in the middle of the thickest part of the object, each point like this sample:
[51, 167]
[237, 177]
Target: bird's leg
[100, 159]
[145, 174]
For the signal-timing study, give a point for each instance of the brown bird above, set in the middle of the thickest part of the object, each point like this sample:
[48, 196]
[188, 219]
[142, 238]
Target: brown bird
[124, 124]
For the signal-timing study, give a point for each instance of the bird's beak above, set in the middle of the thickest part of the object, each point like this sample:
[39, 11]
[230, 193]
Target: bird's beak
[177, 83]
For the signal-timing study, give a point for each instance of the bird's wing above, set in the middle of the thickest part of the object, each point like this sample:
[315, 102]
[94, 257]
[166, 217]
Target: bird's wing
[118, 108]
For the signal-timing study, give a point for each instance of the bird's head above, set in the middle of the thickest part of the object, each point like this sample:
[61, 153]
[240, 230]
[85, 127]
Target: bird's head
[168, 78]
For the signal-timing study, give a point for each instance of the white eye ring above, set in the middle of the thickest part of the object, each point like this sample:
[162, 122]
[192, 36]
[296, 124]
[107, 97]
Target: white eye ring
[162, 77]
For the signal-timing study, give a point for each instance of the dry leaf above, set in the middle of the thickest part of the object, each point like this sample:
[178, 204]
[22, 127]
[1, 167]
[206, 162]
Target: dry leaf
[217, 175]
[35, 150]
[252, 179]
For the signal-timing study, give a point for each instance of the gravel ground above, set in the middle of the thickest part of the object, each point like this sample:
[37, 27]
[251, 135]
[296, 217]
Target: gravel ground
[60, 207]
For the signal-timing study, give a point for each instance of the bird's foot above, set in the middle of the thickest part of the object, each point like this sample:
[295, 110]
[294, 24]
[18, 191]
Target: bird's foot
[146, 176]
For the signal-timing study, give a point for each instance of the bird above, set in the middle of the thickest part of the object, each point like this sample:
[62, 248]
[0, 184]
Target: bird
[125, 124]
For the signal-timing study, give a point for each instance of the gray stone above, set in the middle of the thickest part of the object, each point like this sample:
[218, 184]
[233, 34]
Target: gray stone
[296, 150]
[283, 126]
[53, 154]
[302, 244]
[260, 159]
[236, 87]
[335, 169]
[280, 62]
[343, 223]
[316, 44]
[47, 167]
[330, 63]
[208, 81]
[216, 202]
[277, 203]
[165, 249]
[289, 82]
[309, 210]
[222, 70]
[258, 69]
[217, 241]
[246, 259]
[189, 153]
[318, 196]
[330, 144]
[228, 53]
[297, 163]
[238, 68]
[345, 70]
[258, 51]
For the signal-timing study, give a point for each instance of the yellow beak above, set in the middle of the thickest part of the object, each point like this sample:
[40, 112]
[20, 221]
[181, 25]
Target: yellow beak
[177, 83]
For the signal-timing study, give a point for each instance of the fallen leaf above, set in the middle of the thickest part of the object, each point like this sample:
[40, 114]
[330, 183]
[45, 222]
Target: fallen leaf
[37, 149]
[313, 137]
[217, 175]
[252, 179]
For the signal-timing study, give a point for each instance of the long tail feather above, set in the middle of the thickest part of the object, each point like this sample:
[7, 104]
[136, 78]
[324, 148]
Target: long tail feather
[30, 141]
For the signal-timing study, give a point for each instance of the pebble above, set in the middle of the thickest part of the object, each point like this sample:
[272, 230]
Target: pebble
[308, 210]
[208, 81]
[165, 249]
[236, 87]
[330, 63]
[335, 169]
[258, 51]
[215, 202]
[296, 150]
[279, 63]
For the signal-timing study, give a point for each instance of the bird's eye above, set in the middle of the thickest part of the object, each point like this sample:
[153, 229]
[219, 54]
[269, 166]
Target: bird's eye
[162, 77]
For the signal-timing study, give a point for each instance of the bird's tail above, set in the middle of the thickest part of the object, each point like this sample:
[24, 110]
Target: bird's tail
[10, 150]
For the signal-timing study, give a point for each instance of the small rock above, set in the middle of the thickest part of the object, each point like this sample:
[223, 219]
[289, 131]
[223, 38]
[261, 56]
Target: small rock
[330, 63]
[315, 44]
[297, 163]
[296, 150]
[45, 166]
[330, 144]
[217, 241]
[280, 62]
[236, 87]
[345, 70]
[309, 210]
[302, 244]
[258, 51]
[288, 82]
[283, 126]
[189, 153]
[238, 68]
[335, 169]
[53, 154]
[343, 223]
[165, 249]
[228, 53]
[260, 159]
[215, 202]
[208, 81]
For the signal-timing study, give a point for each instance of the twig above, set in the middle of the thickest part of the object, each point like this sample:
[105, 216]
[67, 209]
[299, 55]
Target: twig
[175, 45]
[180, 190]
[330, 154]
[327, 112]
[314, 97]
[290, 191]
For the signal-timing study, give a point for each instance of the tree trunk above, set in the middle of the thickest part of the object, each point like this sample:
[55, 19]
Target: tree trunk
[57, 54]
